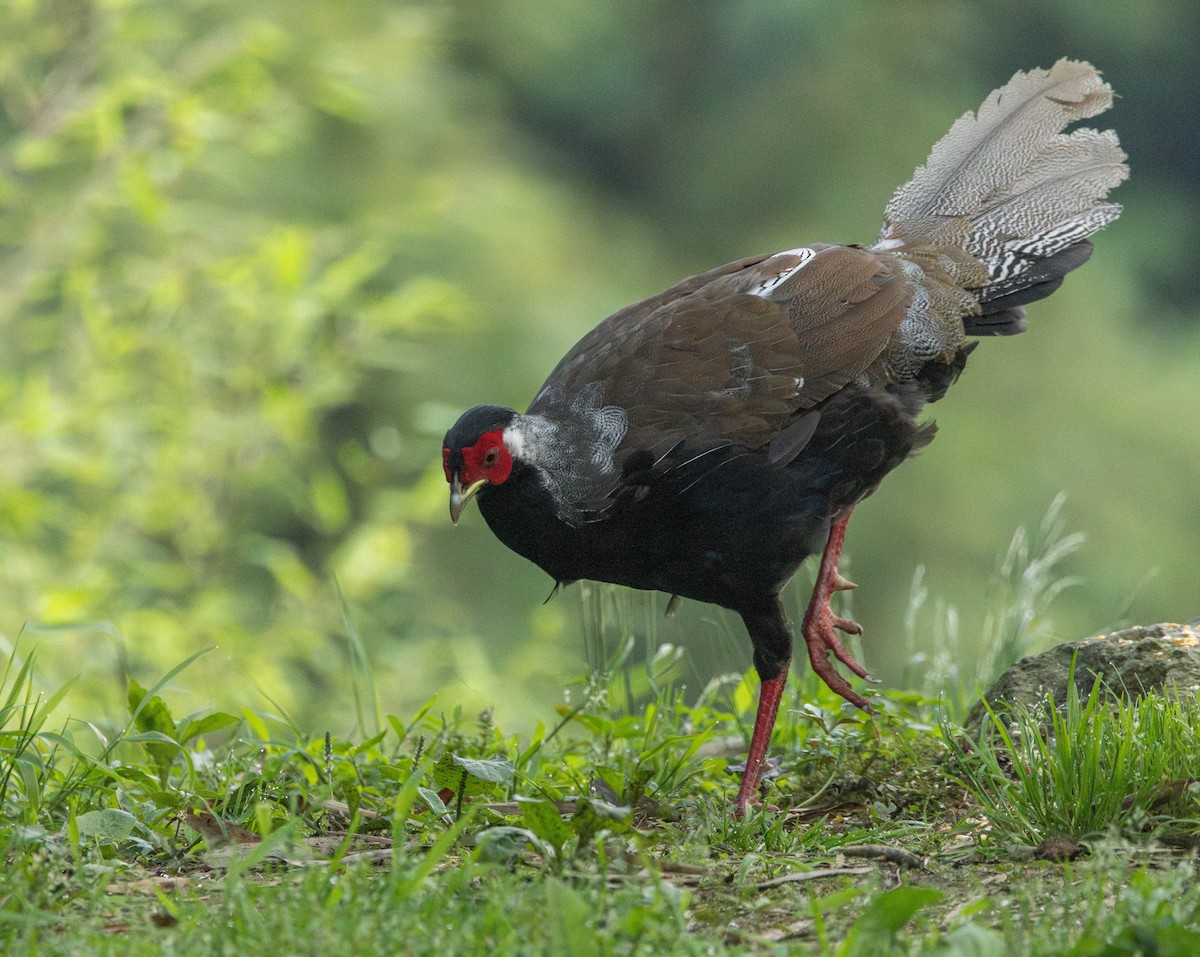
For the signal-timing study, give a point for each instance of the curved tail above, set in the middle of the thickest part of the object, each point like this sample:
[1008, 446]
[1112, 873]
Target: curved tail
[1001, 212]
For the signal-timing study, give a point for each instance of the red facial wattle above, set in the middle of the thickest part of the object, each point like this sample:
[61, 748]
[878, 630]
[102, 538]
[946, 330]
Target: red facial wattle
[487, 459]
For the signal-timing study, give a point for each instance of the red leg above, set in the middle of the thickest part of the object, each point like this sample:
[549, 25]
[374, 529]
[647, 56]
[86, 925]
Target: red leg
[768, 706]
[820, 621]
[772, 640]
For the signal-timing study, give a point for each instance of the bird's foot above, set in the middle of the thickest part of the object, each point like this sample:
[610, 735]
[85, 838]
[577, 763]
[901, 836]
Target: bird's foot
[740, 810]
[821, 625]
[821, 637]
[820, 630]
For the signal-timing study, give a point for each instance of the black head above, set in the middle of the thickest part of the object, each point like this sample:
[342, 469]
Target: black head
[476, 422]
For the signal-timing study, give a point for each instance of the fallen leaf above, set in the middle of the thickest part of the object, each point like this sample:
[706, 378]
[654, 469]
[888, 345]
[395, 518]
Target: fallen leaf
[150, 886]
[811, 876]
[217, 832]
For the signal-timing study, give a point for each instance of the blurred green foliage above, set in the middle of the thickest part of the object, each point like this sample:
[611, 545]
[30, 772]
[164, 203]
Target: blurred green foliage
[254, 259]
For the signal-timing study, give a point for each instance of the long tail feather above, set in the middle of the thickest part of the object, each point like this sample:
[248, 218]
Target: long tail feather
[1001, 210]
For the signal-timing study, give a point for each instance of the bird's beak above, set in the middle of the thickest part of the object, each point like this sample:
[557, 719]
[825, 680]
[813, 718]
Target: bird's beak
[459, 496]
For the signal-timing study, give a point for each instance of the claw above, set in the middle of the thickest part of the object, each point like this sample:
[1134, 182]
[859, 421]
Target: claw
[841, 583]
[846, 625]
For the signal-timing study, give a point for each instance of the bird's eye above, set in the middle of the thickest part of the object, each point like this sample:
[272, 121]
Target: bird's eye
[492, 456]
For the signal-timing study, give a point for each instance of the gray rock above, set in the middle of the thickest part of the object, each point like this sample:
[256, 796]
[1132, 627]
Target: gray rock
[1129, 663]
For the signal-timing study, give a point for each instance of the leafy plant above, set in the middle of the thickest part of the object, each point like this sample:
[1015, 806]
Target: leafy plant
[1028, 580]
[27, 756]
[1083, 767]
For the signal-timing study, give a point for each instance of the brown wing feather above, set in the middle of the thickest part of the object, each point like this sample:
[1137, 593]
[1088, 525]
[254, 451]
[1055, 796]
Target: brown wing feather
[731, 356]
[620, 335]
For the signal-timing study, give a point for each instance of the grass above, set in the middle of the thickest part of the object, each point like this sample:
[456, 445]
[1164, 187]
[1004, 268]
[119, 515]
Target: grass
[608, 832]
[1085, 769]
[1028, 578]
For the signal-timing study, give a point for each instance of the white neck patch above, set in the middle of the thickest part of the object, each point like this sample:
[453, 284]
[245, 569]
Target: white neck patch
[526, 437]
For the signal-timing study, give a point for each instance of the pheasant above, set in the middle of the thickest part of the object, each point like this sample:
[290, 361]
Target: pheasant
[707, 440]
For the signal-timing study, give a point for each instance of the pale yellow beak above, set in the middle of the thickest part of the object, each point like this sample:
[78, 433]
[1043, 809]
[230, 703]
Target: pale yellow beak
[459, 496]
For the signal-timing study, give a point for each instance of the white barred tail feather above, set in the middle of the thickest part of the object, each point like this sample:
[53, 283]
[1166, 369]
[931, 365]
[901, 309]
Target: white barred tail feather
[1002, 209]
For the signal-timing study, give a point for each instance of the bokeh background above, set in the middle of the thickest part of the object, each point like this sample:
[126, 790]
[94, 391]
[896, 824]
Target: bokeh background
[255, 259]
